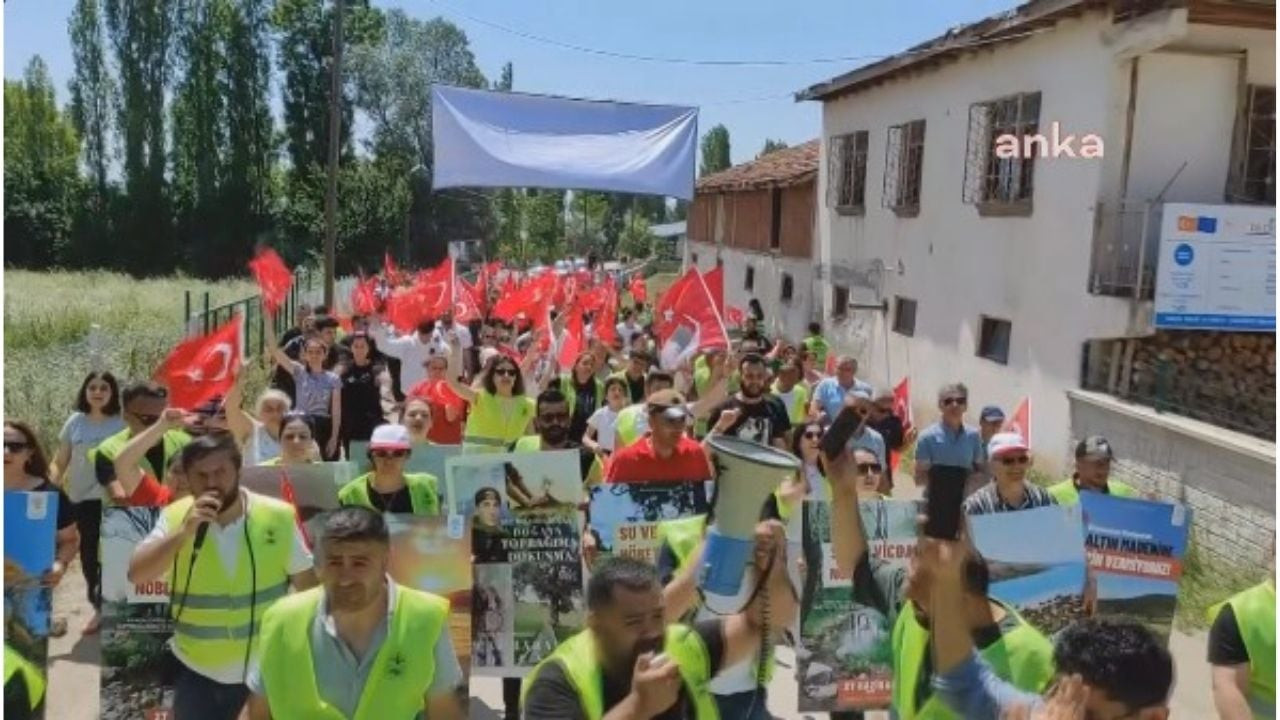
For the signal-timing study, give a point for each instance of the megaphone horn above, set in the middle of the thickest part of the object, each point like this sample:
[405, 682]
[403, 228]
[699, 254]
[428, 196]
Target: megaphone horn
[746, 474]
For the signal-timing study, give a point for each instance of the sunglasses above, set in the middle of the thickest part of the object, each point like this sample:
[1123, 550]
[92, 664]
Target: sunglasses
[948, 402]
[812, 434]
[554, 417]
[295, 437]
[505, 372]
[16, 446]
[867, 468]
[1015, 460]
[390, 453]
[147, 419]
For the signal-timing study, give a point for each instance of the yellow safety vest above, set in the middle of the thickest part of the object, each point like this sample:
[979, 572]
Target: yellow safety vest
[799, 409]
[216, 617]
[1022, 656]
[422, 492]
[627, 425]
[404, 665]
[14, 663]
[577, 657]
[1255, 613]
[495, 422]
[109, 449]
[1066, 492]
[570, 393]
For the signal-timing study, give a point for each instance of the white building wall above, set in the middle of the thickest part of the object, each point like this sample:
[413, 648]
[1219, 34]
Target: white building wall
[1032, 271]
[782, 319]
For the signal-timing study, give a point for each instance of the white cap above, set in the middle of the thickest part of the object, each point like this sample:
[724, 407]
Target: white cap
[390, 437]
[1002, 443]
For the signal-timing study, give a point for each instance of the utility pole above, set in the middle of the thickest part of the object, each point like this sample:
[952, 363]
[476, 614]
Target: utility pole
[335, 127]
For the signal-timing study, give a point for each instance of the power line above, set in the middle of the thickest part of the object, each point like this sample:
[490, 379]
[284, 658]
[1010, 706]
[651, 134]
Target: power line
[654, 58]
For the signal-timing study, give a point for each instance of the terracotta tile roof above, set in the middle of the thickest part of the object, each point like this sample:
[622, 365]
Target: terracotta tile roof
[780, 168]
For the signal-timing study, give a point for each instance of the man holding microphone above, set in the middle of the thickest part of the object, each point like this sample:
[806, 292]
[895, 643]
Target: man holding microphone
[228, 554]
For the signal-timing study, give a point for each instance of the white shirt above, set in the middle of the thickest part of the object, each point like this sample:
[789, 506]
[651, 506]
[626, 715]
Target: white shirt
[605, 421]
[626, 332]
[228, 539]
[412, 352]
[464, 335]
[259, 447]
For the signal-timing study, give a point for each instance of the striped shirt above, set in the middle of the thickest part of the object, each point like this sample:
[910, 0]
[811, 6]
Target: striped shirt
[988, 500]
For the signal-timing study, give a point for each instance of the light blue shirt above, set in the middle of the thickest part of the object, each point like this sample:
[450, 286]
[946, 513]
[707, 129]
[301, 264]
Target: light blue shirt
[972, 690]
[341, 675]
[940, 445]
[830, 395]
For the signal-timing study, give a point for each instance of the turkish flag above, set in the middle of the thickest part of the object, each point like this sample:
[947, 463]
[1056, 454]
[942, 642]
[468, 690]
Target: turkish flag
[273, 276]
[639, 293]
[199, 369]
[287, 494]
[1020, 421]
[467, 308]
[686, 320]
[389, 270]
[606, 319]
[715, 286]
[735, 316]
[573, 342]
[530, 301]
[430, 297]
[901, 408]
[364, 296]
[438, 392]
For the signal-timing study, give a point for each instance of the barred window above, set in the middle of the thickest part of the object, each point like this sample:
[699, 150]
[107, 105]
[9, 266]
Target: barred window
[904, 168]
[993, 341]
[988, 178]
[847, 173]
[1260, 146]
[839, 301]
[788, 287]
[749, 279]
[904, 316]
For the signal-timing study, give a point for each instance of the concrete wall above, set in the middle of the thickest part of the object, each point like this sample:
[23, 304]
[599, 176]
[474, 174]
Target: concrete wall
[1031, 271]
[1227, 479]
[785, 319]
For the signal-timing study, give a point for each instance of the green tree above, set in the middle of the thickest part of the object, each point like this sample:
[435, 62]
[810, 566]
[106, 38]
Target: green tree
[543, 213]
[142, 34]
[506, 80]
[92, 94]
[41, 179]
[715, 151]
[771, 145]
[637, 240]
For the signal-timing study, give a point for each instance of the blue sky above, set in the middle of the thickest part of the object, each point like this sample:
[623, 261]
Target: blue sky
[754, 102]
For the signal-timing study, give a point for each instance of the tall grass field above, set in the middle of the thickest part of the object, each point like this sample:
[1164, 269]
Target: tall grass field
[47, 326]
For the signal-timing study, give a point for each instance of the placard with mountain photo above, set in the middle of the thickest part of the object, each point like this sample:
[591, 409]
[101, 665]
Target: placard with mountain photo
[844, 659]
[520, 511]
[1037, 562]
[1135, 549]
[137, 667]
[30, 544]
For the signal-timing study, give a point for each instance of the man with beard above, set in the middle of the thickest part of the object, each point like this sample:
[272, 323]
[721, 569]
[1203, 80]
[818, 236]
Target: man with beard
[762, 417]
[1017, 651]
[228, 554]
[361, 646]
[552, 421]
[631, 663]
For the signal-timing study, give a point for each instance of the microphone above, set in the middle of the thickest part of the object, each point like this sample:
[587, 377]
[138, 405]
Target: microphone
[201, 533]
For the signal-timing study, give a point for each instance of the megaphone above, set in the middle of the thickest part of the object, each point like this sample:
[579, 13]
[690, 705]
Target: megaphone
[746, 474]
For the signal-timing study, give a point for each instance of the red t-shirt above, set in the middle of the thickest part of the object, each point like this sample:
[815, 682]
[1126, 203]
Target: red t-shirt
[149, 493]
[439, 395]
[638, 463]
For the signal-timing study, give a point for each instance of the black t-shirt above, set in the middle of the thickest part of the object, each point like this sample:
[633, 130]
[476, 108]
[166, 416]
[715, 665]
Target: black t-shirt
[583, 407]
[762, 422]
[1226, 645]
[636, 388]
[17, 699]
[104, 469]
[361, 398]
[396, 502]
[553, 697]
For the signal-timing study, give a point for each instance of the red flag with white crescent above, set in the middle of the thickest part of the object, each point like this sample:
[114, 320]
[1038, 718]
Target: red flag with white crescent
[273, 276]
[202, 368]
[1020, 421]
[901, 408]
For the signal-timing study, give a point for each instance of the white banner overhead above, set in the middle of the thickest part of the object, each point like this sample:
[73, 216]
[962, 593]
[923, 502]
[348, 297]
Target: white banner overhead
[500, 139]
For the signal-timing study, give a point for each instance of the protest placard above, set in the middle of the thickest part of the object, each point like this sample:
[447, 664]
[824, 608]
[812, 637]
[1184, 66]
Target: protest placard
[1135, 550]
[311, 488]
[844, 659]
[136, 626]
[625, 517]
[428, 555]
[1045, 579]
[30, 530]
[424, 457]
[521, 512]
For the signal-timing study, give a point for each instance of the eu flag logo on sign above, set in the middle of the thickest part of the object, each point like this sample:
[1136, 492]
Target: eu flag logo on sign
[1206, 224]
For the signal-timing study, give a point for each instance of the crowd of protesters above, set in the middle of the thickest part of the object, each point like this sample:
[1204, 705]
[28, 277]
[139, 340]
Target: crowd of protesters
[249, 611]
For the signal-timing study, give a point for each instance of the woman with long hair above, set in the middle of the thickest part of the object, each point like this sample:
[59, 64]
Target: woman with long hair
[501, 412]
[583, 390]
[319, 391]
[297, 441]
[258, 434]
[417, 417]
[26, 469]
[96, 418]
[366, 386]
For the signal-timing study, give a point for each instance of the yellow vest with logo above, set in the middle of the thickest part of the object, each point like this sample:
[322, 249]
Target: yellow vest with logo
[1066, 492]
[216, 617]
[14, 663]
[1022, 656]
[577, 658]
[1255, 612]
[404, 665]
[421, 486]
[571, 393]
[495, 422]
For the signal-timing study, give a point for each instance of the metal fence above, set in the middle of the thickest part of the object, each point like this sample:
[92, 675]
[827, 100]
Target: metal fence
[201, 318]
[1126, 243]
